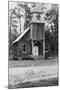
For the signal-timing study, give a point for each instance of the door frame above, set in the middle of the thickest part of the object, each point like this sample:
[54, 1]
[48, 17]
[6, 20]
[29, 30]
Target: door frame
[35, 51]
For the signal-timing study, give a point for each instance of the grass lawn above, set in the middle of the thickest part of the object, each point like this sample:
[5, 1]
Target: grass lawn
[26, 63]
[23, 74]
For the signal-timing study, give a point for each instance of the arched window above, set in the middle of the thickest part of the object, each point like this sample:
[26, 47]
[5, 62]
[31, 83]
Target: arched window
[24, 48]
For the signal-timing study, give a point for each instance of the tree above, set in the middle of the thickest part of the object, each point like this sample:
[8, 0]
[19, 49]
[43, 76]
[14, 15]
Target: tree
[13, 34]
[12, 24]
[27, 11]
[19, 15]
[52, 18]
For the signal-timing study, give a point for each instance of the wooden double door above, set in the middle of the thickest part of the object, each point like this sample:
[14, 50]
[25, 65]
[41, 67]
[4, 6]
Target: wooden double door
[35, 51]
[38, 49]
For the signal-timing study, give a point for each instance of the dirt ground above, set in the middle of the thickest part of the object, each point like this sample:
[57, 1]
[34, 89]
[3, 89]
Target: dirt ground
[33, 73]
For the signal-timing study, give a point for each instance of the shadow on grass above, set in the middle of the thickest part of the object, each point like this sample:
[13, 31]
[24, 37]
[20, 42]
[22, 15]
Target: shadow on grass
[40, 83]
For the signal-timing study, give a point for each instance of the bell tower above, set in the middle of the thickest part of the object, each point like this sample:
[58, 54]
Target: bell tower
[37, 33]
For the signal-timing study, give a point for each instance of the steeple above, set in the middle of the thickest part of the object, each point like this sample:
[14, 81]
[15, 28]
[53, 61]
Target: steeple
[37, 14]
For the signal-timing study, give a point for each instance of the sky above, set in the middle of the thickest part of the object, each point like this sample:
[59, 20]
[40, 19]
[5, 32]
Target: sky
[12, 5]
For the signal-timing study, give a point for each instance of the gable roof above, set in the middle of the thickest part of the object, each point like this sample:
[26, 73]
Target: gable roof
[18, 38]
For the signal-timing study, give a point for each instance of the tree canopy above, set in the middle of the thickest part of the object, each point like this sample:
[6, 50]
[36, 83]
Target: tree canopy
[23, 10]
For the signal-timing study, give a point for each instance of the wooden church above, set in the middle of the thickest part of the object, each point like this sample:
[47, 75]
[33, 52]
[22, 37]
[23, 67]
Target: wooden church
[32, 40]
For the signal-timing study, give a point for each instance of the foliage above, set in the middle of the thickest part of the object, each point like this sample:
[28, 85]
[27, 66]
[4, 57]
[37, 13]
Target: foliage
[50, 16]
[27, 12]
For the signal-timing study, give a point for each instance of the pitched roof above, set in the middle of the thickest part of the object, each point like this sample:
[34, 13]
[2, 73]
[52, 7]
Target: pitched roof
[18, 38]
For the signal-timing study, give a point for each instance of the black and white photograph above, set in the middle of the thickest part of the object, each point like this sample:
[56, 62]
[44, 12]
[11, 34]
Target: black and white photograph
[33, 57]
